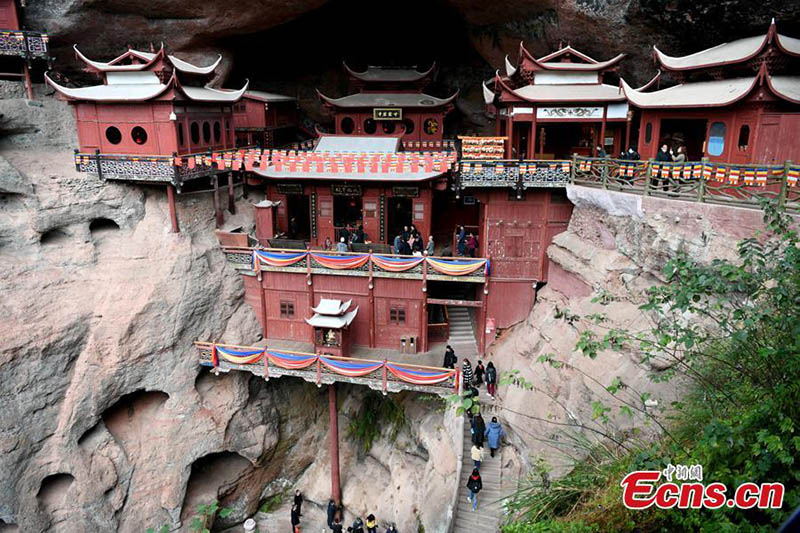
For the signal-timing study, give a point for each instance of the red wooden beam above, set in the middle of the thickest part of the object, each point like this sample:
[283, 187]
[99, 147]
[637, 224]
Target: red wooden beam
[173, 213]
[456, 303]
[336, 493]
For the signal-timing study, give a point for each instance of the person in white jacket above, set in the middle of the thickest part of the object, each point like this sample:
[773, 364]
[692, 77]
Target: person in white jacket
[477, 455]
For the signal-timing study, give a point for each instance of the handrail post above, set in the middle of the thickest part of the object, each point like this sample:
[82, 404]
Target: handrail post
[648, 177]
[784, 192]
[701, 188]
[604, 173]
[99, 169]
[573, 168]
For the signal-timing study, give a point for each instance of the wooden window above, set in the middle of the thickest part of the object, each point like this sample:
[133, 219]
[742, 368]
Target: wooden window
[139, 135]
[397, 315]
[113, 135]
[744, 137]
[287, 309]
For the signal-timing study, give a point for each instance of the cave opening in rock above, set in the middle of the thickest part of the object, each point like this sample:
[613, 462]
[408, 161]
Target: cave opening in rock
[53, 490]
[102, 225]
[216, 476]
[53, 236]
[135, 415]
[8, 527]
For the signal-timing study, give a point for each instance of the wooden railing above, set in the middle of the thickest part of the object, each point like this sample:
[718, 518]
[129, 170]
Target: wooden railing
[743, 185]
[381, 378]
[426, 267]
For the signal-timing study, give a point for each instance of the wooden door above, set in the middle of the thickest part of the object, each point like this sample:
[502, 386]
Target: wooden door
[768, 139]
[325, 218]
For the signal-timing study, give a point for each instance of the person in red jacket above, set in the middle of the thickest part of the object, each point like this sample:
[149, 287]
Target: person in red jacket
[474, 484]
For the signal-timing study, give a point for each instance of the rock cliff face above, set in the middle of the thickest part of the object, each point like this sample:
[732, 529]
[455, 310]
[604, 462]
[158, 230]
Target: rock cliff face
[614, 249]
[109, 423]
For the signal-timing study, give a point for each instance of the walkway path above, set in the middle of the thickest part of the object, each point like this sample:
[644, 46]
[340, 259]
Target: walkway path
[462, 336]
[487, 518]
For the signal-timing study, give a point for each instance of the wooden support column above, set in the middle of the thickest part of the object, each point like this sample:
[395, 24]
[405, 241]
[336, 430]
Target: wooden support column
[217, 211]
[602, 142]
[310, 285]
[532, 138]
[263, 296]
[628, 121]
[509, 135]
[231, 199]
[371, 287]
[424, 319]
[336, 492]
[173, 212]
[28, 82]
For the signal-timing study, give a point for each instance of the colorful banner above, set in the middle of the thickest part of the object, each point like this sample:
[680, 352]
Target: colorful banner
[239, 358]
[291, 361]
[458, 267]
[351, 368]
[279, 259]
[341, 262]
[419, 376]
[396, 264]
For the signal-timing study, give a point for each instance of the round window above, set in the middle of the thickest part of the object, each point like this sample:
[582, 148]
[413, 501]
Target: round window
[217, 131]
[206, 132]
[408, 124]
[113, 135]
[195, 131]
[138, 135]
[370, 126]
[388, 127]
[431, 126]
[347, 125]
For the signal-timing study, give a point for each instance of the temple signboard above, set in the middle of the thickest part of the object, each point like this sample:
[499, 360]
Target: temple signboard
[343, 189]
[569, 112]
[387, 113]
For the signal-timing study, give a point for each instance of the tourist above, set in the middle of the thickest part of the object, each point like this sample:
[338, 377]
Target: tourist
[406, 233]
[372, 524]
[417, 245]
[478, 427]
[472, 245]
[342, 246]
[358, 526]
[449, 357]
[479, 371]
[680, 155]
[461, 242]
[601, 152]
[298, 501]
[664, 154]
[295, 519]
[474, 484]
[336, 526]
[331, 513]
[398, 242]
[328, 243]
[632, 154]
[466, 371]
[392, 528]
[429, 247]
[494, 433]
[345, 233]
[477, 455]
[414, 231]
[491, 379]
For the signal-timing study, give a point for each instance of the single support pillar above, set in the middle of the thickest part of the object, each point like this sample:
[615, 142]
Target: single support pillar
[231, 200]
[217, 211]
[28, 82]
[336, 492]
[173, 212]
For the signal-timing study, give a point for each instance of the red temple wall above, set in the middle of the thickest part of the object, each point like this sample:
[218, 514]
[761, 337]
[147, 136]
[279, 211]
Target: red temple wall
[769, 140]
[415, 117]
[249, 113]
[8, 15]
[94, 120]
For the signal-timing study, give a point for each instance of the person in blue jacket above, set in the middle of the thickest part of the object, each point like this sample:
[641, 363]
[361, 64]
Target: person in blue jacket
[494, 433]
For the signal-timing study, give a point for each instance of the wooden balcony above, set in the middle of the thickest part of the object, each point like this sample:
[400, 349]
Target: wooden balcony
[28, 45]
[695, 181]
[251, 261]
[380, 375]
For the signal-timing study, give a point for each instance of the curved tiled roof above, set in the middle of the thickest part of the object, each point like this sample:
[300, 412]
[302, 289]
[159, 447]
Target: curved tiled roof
[189, 68]
[787, 87]
[715, 93]
[389, 74]
[388, 99]
[546, 63]
[208, 94]
[113, 93]
[149, 58]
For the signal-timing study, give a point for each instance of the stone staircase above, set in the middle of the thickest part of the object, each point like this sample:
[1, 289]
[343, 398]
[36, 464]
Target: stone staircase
[488, 516]
[462, 336]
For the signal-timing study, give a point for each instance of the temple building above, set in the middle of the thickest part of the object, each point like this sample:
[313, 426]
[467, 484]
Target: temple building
[21, 50]
[558, 105]
[153, 119]
[391, 102]
[738, 102]
[266, 120]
